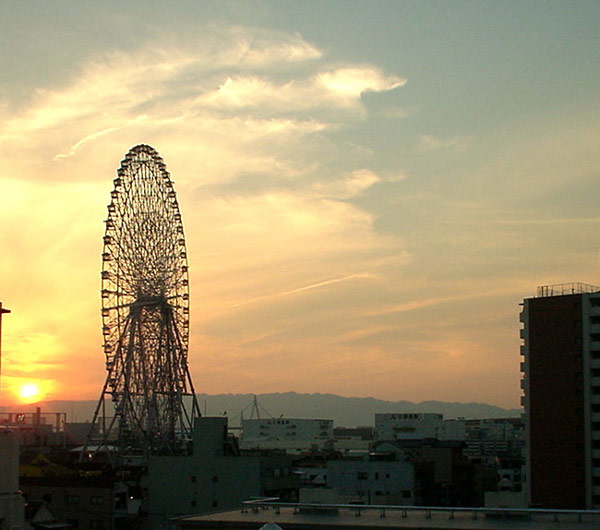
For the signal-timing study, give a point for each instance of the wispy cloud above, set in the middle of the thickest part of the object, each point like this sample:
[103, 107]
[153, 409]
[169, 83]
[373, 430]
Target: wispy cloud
[96, 135]
[350, 83]
[431, 142]
[254, 106]
[349, 186]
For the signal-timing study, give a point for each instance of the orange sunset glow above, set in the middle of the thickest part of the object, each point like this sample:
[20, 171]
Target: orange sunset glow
[365, 205]
[29, 392]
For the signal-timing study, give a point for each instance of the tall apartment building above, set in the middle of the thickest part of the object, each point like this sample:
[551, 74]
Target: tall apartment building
[561, 384]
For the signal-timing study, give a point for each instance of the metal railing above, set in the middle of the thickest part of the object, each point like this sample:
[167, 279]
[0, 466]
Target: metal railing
[561, 289]
[256, 505]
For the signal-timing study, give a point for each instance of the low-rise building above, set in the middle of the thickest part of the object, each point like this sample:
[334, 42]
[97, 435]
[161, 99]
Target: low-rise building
[12, 512]
[360, 477]
[214, 477]
[443, 475]
[417, 426]
[288, 434]
[84, 503]
[496, 437]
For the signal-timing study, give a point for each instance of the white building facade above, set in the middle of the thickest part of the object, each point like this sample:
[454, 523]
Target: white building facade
[417, 426]
[286, 433]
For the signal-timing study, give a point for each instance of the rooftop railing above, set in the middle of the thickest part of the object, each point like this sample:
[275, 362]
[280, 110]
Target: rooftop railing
[532, 514]
[561, 289]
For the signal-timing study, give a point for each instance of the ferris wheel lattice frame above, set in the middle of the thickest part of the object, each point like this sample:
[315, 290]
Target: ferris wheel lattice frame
[145, 316]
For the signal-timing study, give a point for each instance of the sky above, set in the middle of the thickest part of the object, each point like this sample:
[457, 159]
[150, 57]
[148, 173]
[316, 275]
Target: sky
[369, 189]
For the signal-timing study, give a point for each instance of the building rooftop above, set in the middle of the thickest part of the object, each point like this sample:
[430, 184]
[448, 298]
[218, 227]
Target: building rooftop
[361, 517]
[561, 289]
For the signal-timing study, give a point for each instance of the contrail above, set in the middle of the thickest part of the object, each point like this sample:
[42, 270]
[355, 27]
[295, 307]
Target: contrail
[95, 135]
[305, 288]
[321, 284]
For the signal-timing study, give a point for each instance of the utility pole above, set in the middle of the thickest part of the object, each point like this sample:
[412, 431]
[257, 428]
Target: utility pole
[2, 312]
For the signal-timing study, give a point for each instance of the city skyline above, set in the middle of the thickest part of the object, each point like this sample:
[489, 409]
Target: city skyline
[368, 191]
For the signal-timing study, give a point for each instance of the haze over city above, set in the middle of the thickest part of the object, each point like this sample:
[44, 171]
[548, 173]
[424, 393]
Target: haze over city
[368, 190]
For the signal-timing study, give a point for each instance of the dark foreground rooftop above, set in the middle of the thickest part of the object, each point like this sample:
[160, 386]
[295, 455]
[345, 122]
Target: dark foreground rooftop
[362, 517]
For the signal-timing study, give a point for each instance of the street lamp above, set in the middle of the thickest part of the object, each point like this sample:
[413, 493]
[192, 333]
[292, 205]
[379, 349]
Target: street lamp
[2, 312]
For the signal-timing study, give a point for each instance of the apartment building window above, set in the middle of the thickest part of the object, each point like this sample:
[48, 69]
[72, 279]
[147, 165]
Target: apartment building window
[96, 500]
[72, 499]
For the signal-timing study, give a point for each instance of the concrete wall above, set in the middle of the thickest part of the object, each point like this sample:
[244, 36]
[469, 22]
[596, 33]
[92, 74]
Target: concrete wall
[372, 482]
[12, 512]
[204, 482]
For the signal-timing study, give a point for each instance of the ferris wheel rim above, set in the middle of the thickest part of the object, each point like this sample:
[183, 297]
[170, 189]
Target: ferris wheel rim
[124, 285]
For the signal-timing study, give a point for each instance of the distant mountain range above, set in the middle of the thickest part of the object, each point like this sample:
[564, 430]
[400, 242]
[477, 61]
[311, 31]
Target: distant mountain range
[344, 411]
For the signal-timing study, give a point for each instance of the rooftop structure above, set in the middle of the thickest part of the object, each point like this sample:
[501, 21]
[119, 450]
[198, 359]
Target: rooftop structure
[562, 289]
[337, 516]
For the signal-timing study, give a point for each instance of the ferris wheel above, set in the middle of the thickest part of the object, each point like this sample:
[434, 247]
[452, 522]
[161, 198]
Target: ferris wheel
[145, 313]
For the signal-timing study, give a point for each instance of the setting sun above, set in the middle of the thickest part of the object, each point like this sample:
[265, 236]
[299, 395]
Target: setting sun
[29, 391]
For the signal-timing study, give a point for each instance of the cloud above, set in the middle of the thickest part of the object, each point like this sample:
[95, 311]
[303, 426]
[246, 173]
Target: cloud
[352, 82]
[251, 102]
[247, 126]
[338, 88]
[349, 186]
[430, 142]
